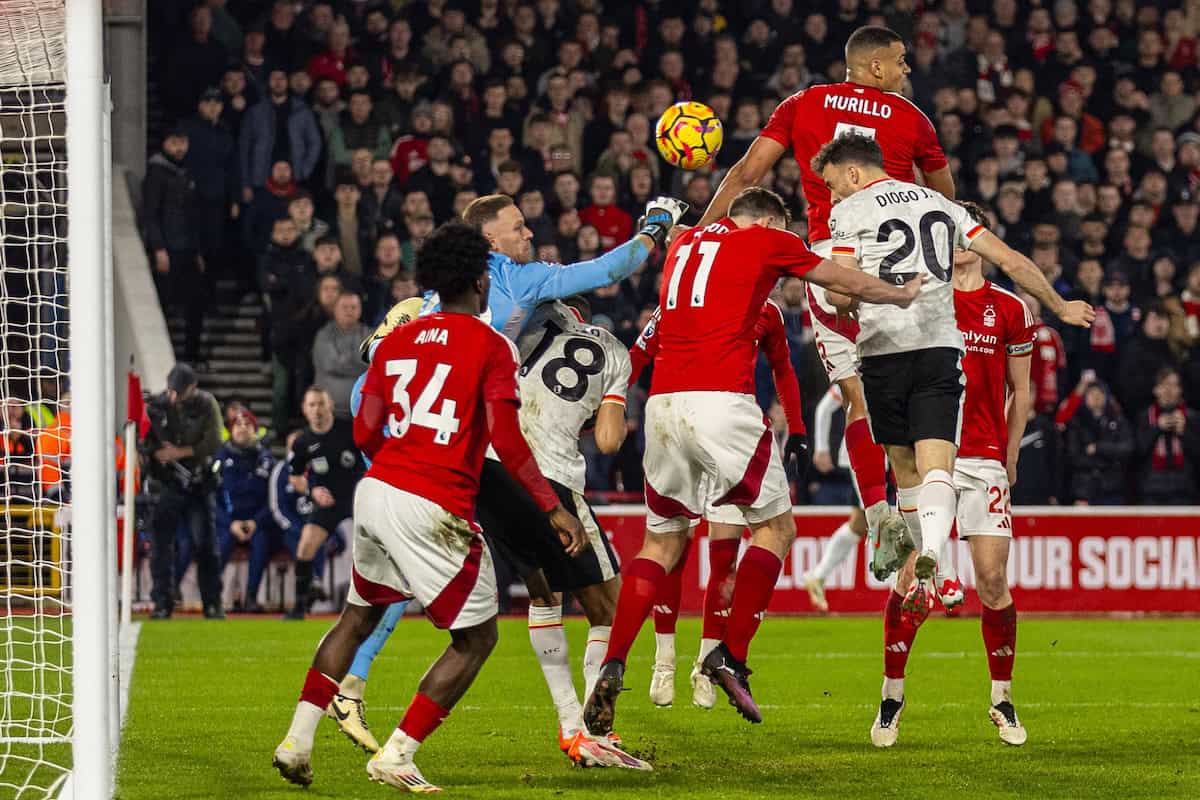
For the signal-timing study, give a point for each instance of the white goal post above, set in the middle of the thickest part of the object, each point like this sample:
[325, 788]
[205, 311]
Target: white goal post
[59, 719]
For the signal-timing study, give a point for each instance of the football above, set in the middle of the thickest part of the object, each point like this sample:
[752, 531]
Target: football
[689, 135]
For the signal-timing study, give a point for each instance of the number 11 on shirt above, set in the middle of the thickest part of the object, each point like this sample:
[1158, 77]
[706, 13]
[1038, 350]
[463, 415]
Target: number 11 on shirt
[708, 254]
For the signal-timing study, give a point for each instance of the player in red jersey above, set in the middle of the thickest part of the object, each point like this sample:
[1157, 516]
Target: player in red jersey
[868, 102]
[725, 523]
[705, 434]
[998, 331]
[444, 385]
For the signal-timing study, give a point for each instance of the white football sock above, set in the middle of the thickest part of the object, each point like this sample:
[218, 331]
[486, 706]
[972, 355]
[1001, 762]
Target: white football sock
[549, 642]
[352, 687]
[401, 745]
[664, 648]
[841, 544]
[593, 656]
[945, 565]
[304, 724]
[893, 689]
[936, 504]
[907, 500]
[1001, 691]
[706, 647]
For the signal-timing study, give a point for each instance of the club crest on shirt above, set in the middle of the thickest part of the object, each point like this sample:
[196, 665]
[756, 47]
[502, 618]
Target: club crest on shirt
[320, 465]
[347, 459]
[989, 317]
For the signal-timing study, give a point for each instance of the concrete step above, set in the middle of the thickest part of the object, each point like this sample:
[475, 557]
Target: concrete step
[249, 394]
[233, 324]
[221, 365]
[238, 379]
[213, 337]
[241, 352]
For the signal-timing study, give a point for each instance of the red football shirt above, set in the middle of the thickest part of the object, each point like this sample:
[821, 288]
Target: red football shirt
[715, 282]
[1049, 356]
[811, 117]
[995, 324]
[436, 373]
[772, 341]
[613, 224]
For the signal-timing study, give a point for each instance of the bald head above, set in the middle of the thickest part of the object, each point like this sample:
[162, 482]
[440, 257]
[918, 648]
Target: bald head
[875, 56]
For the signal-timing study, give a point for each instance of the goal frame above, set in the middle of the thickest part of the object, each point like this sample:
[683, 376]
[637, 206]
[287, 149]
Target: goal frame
[91, 334]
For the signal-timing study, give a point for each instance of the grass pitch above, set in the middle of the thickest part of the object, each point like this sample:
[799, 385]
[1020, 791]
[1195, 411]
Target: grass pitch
[1111, 708]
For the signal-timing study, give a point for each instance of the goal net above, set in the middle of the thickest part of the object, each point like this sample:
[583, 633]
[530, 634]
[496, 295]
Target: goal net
[35, 586]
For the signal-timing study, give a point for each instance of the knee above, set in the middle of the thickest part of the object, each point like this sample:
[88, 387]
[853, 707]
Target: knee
[482, 641]
[992, 585]
[663, 549]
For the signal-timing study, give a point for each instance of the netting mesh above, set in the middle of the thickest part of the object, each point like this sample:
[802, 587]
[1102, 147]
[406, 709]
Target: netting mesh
[35, 643]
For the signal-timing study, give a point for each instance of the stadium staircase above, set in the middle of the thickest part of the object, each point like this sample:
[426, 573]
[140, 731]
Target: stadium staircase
[232, 346]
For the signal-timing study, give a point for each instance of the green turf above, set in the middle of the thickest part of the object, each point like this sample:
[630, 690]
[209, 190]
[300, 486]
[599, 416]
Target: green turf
[1111, 709]
[35, 701]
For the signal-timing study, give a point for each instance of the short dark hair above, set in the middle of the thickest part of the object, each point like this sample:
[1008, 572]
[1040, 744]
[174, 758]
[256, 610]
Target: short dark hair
[483, 210]
[328, 238]
[452, 259]
[1164, 373]
[849, 147]
[870, 37]
[975, 211]
[757, 201]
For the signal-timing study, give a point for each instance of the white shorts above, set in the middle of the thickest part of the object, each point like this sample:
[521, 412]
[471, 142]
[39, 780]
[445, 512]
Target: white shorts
[710, 446]
[723, 515]
[984, 508]
[408, 547]
[838, 354]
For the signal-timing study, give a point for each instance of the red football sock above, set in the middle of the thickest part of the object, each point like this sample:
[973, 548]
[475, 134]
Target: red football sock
[670, 589]
[721, 556]
[867, 461]
[639, 584]
[319, 688]
[1000, 638]
[752, 590]
[897, 638]
[422, 717]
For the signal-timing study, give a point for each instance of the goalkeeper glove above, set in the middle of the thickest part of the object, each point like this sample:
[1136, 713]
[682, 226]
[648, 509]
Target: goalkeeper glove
[796, 448]
[662, 214]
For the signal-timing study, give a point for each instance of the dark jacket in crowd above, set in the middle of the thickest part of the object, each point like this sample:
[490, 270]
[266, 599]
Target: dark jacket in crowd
[257, 141]
[1039, 475]
[288, 507]
[192, 67]
[1141, 361]
[168, 194]
[1099, 477]
[280, 270]
[212, 159]
[1167, 461]
[245, 482]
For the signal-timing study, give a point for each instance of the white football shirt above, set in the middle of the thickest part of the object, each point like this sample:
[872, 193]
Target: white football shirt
[896, 231]
[568, 369]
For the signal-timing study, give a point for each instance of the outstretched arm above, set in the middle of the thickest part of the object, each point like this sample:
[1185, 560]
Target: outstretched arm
[856, 283]
[1030, 278]
[748, 171]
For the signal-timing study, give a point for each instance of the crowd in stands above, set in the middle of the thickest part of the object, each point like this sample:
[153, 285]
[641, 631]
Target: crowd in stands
[312, 146]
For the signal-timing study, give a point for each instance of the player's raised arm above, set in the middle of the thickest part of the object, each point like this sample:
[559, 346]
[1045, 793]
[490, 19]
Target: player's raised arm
[645, 348]
[748, 171]
[857, 284]
[1026, 274]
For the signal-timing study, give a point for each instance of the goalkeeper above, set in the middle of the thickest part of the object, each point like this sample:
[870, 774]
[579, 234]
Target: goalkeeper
[517, 287]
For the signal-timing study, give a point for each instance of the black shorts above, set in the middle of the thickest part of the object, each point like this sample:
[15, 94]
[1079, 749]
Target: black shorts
[329, 518]
[915, 395]
[518, 532]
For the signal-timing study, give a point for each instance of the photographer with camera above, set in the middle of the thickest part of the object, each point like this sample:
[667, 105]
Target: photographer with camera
[185, 432]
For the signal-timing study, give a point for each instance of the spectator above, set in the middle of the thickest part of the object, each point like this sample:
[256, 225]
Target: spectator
[53, 442]
[336, 360]
[614, 225]
[333, 63]
[225, 28]
[277, 128]
[359, 129]
[382, 204]
[353, 232]
[509, 179]
[409, 152]
[1168, 445]
[212, 162]
[1099, 446]
[327, 260]
[168, 214]
[281, 267]
[243, 513]
[567, 123]
[292, 335]
[1142, 359]
[283, 48]
[18, 478]
[271, 201]
[1039, 471]
[196, 62]
[438, 44]
[435, 178]
[185, 432]
[417, 228]
[388, 265]
[308, 228]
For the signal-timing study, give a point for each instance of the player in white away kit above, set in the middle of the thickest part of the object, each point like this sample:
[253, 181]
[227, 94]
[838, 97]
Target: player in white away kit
[911, 357]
